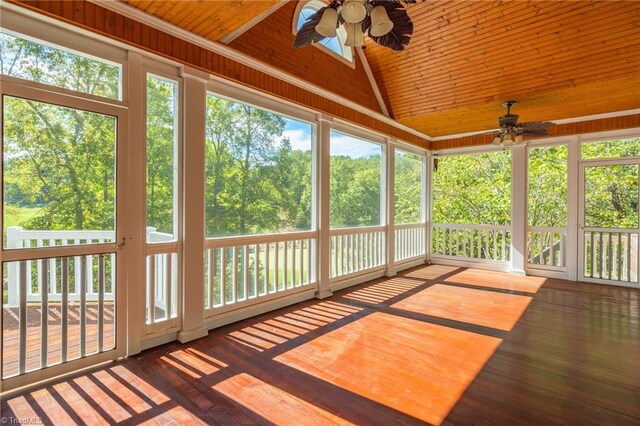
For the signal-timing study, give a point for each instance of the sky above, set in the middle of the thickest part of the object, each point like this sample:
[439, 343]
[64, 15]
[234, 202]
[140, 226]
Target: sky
[299, 135]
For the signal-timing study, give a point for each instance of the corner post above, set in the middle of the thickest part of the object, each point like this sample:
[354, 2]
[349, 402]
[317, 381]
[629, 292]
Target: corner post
[322, 215]
[194, 95]
[519, 209]
[389, 205]
[573, 219]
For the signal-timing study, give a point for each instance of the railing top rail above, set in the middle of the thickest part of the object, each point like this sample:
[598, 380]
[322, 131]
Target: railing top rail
[257, 239]
[611, 230]
[409, 225]
[463, 226]
[554, 229]
[63, 234]
[357, 230]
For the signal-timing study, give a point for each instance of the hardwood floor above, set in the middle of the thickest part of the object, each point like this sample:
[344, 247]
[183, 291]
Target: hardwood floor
[436, 344]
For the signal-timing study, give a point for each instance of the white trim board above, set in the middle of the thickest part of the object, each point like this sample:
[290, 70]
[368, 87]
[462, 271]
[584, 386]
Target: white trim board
[221, 49]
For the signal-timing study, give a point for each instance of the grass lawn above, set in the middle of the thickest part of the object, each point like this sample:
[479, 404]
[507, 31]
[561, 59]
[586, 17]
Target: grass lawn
[15, 215]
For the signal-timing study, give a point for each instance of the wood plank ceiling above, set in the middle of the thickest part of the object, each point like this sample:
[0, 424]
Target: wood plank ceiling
[558, 59]
[212, 19]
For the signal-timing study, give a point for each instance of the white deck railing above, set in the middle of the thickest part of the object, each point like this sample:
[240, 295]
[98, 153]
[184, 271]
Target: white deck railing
[409, 241]
[611, 254]
[356, 250]
[472, 242]
[19, 238]
[546, 247]
[248, 269]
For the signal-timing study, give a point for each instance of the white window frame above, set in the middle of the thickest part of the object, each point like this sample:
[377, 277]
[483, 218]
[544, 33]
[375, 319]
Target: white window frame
[347, 57]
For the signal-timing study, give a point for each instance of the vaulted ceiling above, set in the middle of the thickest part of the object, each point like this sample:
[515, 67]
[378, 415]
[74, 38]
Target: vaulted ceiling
[558, 59]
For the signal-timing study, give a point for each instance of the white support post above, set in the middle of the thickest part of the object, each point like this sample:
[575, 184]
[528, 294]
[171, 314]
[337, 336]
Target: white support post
[518, 209]
[194, 95]
[388, 204]
[321, 212]
[571, 252]
[427, 202]
[136, 204]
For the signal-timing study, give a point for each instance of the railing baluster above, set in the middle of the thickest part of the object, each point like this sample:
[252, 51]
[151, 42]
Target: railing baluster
[234, 275]
[167, 299]
[293, 263]
[65, 308]
[284, 274]
[267, 272]
[629, 257]
[223, 275]
[101, 290]
[619, 258]
[151, 289]
[609, 256]
[256, 270]
[83, 306]
[276, 267]
[245, 264]
[301, 272]
[212, 276]
[600, 264]
[44, 319]
[22, 319]
[309, 251]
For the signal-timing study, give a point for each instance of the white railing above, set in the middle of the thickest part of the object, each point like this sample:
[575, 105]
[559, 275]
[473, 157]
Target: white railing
[83, 327]
[474, 242]
[244, 270]
[611, 254]
[18, 238]
[546, 247]
[409, 241]
[356, 250]
[162, 277]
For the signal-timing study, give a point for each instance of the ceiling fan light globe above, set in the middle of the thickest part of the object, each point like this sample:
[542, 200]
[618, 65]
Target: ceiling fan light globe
[497, 140]
[380, 22]
[328, 23]
[353, 11]
[519, 139]
[355, 36]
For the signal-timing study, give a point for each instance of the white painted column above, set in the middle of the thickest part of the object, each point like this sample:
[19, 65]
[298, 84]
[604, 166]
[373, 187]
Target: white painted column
[322, 218]
[518, 209]
[193, 226]
[573, 165]
[136, 189]
[427, 203]
[388, 204]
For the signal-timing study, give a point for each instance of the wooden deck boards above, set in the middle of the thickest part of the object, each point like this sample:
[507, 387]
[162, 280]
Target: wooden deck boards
[384, 353]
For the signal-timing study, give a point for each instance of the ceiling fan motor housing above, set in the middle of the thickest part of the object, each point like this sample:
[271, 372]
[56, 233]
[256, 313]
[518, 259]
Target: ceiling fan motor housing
[508, 120]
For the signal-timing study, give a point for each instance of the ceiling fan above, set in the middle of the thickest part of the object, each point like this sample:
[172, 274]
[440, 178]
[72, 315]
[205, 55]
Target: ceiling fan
[511, 132]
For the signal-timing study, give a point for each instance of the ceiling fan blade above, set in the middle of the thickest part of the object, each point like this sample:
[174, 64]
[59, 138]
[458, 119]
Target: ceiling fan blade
[535, 132]
[535, 125]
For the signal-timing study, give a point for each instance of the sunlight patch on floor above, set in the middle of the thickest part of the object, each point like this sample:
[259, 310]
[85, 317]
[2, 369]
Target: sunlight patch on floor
[480, 307]
[499, 280]
[417, 368]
